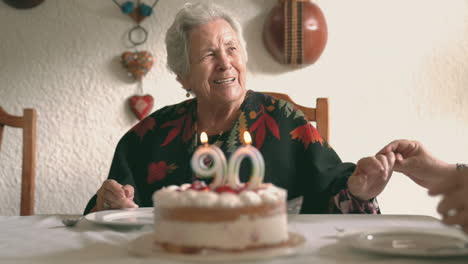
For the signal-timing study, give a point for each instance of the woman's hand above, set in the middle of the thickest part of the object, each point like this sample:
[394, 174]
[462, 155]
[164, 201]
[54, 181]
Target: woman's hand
[113, 195]
[454, 204]
[413, 160]
[371, 175]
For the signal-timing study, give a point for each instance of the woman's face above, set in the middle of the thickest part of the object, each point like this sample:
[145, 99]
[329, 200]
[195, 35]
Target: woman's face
[217, 64]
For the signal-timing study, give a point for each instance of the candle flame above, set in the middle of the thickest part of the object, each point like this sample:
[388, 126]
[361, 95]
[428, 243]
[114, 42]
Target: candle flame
[203, 138]
[247, 138]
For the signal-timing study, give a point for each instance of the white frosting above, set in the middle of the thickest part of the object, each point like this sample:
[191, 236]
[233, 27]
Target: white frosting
[165, 197]
[205, 199]
[173, 187]
[249, 229]
[268, 197]
[243, 232]
[250, 198]
[185, 186]
[175, 196]
[228, 200]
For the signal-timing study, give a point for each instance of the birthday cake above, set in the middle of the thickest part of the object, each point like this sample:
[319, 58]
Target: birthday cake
[194, 217]
[227, 214]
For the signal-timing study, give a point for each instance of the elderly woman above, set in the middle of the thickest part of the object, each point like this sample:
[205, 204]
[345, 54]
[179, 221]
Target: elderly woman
[206, 51]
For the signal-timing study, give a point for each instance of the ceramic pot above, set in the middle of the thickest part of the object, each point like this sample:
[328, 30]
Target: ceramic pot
[295, 32]
[23, 4]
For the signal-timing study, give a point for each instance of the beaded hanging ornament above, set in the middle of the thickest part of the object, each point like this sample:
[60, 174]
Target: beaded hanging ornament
[138, 63]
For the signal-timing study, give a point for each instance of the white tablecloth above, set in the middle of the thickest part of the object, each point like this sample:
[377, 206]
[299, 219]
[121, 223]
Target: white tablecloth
[44, 239]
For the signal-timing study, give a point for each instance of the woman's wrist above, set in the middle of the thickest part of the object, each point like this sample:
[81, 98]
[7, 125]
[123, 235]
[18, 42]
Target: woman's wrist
[359, 198]
[448, 170]
[354, 190]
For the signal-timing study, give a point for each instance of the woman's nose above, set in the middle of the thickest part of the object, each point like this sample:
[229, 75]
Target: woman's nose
[224, 62]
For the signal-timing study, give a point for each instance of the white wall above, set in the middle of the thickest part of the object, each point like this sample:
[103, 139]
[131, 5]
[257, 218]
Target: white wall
[392, 69]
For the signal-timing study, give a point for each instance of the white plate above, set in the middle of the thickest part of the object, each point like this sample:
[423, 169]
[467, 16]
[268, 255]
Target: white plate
[131, 217]
[420, 242]
[144, 246]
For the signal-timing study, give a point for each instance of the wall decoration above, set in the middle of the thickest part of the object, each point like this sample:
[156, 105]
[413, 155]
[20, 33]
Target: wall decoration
[295, 32]
[138, 63]
[141, 105]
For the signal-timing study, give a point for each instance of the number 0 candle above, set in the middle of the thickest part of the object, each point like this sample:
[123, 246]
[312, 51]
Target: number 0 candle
[218, 166]
[258, 164]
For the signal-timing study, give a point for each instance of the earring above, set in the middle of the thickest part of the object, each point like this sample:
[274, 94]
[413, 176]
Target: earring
[187, 94]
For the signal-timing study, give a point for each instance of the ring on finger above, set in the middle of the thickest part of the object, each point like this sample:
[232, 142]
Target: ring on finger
[452, 212]
[105, 205]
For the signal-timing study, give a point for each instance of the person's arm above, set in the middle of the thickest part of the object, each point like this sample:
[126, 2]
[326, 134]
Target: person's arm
[319, 174]
[368, 180]
[413, 160]
[118, 191]
[371, 175]
[325, 179]
[454, 203]
[440, 177]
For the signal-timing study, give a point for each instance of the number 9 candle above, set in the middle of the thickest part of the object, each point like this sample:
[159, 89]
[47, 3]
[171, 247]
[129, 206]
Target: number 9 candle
[258, 165]
[218, 167]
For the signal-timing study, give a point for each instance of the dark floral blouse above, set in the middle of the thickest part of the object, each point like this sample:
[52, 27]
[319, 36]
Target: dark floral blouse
[157, 152]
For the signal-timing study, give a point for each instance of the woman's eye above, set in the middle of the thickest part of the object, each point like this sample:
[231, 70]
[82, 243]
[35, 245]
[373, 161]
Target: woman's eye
[207, 56]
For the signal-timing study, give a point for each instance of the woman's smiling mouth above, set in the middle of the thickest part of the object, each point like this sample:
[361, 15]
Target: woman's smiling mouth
[224, 81]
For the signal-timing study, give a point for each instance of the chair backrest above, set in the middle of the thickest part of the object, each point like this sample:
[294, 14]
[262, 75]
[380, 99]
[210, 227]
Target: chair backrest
[319, 114]
[28, 123]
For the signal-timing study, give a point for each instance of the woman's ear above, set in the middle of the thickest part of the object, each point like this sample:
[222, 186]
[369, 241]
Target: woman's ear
[185, 85]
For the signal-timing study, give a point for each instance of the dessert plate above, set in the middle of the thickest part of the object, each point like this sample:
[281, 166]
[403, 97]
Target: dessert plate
[144, 246]
[126, 218]
[417, 242]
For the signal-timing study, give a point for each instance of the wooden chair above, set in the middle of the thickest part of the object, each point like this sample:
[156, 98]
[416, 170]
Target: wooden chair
[319, 114]
[28, 123]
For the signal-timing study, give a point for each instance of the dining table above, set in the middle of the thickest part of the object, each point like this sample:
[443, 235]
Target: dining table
[45, 239]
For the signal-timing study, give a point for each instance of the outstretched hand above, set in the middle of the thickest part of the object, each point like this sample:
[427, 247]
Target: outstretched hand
[441, 178]
[413, 160]
[371, 175]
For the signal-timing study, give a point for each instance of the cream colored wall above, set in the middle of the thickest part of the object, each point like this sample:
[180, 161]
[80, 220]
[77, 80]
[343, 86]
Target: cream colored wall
[392, 69]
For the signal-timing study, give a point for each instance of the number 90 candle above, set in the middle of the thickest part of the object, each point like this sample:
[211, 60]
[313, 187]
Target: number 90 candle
[258, 165]
[218, 167]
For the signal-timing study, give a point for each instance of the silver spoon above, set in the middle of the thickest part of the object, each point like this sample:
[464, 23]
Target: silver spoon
[71, 221]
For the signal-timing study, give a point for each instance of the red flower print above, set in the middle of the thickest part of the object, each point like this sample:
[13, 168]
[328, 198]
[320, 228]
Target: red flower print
[158, 171]
[263, 122]
[183, 124]
[307, 134]
[142, 127]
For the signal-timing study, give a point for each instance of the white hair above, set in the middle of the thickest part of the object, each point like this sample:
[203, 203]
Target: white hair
[190, 16]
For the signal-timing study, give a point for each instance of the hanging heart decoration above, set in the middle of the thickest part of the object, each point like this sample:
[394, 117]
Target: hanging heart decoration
[141, 105]
[138, 64]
